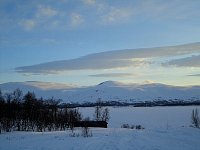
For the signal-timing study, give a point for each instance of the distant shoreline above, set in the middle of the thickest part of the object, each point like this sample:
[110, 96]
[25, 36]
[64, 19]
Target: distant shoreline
[134, 104]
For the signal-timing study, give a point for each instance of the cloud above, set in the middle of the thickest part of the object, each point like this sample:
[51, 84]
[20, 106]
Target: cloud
[176, 10]
[76, 19]
[45, 11]
[39, 14]
[114, 75]
[89, 2]
[153, 8]
[109, 13]
[117, 15]
[89, 62]
[106, 13]
[28, 24]
[116, 59]
[193, 61]
[194, 75]
[148, 82]
[99, 12]
[49, 85]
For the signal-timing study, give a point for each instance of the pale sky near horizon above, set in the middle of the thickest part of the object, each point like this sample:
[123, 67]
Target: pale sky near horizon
[85, 42]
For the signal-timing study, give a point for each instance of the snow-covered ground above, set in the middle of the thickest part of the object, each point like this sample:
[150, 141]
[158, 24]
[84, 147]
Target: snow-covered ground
[166, 128]
[105, 139]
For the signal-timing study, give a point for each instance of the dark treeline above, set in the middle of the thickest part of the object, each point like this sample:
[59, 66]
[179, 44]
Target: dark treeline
[27, 113]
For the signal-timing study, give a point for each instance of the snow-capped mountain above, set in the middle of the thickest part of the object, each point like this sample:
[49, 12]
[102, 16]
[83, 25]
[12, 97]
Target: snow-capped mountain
[106, 91]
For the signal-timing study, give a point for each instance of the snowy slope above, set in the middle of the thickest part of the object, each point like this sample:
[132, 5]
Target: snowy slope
[108, 91]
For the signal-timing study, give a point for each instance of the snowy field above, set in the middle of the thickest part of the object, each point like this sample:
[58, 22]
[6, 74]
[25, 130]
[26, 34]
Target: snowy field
[166, 128]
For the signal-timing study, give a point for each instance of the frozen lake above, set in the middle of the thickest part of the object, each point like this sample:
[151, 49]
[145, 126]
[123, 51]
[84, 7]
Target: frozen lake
[148, 117]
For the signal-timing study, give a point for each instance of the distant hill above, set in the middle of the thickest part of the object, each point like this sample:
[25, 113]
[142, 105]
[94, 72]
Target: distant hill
[106, 91]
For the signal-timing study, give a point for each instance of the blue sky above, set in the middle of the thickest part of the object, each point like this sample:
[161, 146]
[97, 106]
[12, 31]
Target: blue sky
[63, 41]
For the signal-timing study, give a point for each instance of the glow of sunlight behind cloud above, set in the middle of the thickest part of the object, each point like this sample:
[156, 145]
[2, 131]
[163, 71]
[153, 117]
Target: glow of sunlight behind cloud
[117, 59]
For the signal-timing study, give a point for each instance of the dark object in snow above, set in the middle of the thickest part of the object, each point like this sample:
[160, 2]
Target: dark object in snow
[100, 124]
[137, 127]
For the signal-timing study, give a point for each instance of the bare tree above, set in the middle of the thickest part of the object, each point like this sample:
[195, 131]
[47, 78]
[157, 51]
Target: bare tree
[17, 98]
[28, 113]
[86, 132]
[101, 114]
[2, 109]
[98, 110]
[195, 118]
[105, 115]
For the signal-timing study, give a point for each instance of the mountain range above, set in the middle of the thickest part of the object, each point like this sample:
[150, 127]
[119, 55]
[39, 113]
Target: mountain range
[106, 91]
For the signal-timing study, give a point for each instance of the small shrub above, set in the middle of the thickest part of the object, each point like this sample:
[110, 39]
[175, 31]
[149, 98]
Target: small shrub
[74, 134]
[86, 132]
[137, 127]
[132, 127]
[125, 126]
